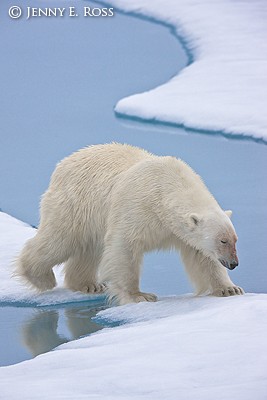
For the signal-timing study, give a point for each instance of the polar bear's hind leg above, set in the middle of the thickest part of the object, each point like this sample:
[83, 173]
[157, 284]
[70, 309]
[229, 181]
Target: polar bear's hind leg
[37, 259]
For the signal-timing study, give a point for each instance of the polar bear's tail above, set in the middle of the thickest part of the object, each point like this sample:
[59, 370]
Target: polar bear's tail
[35, 264]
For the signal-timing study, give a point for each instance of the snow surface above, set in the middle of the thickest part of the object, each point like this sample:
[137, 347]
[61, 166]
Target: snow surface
[182, 347]
[224, 87]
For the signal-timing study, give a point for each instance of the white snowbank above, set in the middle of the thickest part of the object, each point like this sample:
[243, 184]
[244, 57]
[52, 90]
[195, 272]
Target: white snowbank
[13, 234]
[186, 348]
[181, 347]
[225, 88]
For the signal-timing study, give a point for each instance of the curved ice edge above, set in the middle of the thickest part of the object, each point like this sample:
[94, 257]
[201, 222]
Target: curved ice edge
[202, 131]
[190, 59]
[182, 40]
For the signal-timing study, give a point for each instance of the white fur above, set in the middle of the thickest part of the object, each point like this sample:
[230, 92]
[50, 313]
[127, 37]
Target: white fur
[109, 204]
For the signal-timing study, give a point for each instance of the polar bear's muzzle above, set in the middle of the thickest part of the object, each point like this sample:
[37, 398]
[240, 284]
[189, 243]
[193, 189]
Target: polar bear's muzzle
[229, 265]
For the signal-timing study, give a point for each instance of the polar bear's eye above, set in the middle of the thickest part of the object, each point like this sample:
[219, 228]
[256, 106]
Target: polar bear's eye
[224, 241]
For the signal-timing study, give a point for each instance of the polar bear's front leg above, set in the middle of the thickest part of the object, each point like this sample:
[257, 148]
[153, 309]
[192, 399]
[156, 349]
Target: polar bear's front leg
[120, 269]
[206, 275]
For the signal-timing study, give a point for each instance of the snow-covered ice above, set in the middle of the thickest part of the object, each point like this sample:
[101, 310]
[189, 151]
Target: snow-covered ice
[182, 347]
[187, 349]
[224, 87]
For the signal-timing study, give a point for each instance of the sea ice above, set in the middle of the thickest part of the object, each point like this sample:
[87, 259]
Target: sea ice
[224, 87]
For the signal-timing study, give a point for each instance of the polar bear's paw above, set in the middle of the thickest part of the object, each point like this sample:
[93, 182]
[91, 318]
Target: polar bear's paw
[137, 297]
[142, 296]
[226, 291]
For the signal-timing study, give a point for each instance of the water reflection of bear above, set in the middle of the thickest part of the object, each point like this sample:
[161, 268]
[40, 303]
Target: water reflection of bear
[40, 332]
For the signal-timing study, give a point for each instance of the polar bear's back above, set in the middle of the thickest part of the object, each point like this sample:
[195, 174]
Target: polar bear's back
[97, 165]
[81, 184]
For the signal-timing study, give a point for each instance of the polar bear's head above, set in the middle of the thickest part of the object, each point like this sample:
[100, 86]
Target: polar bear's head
[214, 234]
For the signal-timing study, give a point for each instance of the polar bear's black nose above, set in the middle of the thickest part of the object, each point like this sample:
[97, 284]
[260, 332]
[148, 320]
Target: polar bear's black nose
[233, 264]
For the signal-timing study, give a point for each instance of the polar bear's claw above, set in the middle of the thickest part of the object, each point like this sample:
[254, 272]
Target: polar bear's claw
[239, 290]
[95, 288]
[228, 291]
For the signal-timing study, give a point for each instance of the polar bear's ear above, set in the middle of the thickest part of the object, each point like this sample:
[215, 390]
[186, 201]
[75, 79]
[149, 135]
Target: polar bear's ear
[195, 219]
[228, 213]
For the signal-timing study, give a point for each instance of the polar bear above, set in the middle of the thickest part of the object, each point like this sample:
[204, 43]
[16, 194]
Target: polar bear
[107, 205]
